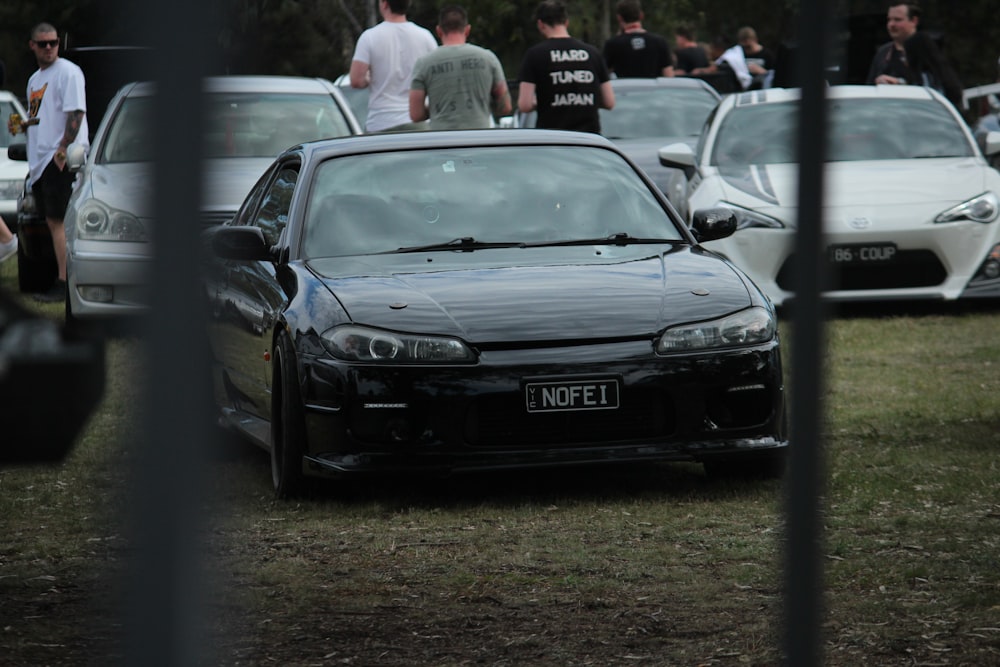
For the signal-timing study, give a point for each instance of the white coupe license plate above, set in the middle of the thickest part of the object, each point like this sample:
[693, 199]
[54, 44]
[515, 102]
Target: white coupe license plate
[873, 253]
[597, 394]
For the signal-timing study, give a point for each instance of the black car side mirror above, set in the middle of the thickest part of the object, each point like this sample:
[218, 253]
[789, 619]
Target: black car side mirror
[239, 243]
[710, 224]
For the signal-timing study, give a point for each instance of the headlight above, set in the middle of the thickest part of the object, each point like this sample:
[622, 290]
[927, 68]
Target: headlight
[747, 327]
[97, 222]
[11, 188]
[745, 218]
[983, 208]
[357, 343]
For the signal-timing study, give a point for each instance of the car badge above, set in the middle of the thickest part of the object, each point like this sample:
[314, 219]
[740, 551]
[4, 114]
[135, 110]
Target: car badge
[860, 223]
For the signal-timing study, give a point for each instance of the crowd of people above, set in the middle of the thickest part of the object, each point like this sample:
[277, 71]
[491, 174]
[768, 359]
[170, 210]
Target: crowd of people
[460, 85]
[566, 81]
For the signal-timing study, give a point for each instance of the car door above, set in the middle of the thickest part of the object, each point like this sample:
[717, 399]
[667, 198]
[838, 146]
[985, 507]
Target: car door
[247, 298]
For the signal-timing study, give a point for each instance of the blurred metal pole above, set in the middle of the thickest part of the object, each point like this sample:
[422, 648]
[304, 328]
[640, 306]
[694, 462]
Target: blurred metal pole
[164, 610]
[803, 566]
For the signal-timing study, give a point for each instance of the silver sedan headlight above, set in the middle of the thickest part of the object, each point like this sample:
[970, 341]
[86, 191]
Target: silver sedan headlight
[97, 221]
[10, 188]
[983, 208]
[358, 343]
[746, 327]
[746, 218]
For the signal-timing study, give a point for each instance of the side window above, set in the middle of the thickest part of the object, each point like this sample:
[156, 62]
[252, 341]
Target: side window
[273, 213]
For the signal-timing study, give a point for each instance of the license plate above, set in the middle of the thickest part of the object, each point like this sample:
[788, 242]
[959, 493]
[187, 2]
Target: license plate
[871, 253]
[596, 394]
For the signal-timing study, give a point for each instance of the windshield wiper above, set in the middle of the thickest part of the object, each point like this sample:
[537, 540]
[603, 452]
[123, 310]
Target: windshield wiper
[464, 243]
[621, 238]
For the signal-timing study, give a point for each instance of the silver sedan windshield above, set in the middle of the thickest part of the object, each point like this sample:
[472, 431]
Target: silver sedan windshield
[237, 125]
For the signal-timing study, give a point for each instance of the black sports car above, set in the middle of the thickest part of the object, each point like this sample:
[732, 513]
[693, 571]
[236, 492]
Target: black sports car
[439, 302]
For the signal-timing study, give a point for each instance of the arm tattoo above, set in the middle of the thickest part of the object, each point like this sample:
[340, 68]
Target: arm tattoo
[73, 122]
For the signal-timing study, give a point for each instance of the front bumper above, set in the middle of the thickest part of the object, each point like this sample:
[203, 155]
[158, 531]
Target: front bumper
[934, 262]
[460, 419]
[108, 279]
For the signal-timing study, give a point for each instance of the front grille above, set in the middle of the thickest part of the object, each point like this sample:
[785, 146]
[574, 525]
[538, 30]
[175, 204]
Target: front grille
[910, 268]
[503, 421]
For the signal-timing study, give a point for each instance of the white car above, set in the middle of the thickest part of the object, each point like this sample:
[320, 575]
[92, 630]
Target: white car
[109, 222]
[12, 173]
[911, 206]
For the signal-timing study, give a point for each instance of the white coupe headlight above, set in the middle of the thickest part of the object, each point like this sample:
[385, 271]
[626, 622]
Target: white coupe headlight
[746, 219]
[357, 343]
[983, 208]
[99, 222]
[747, 327]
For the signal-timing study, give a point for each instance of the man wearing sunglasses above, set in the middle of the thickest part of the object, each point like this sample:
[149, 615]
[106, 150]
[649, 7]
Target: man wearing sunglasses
[57, 117]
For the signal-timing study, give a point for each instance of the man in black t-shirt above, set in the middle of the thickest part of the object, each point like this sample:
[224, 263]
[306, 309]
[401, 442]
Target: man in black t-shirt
[889, 64]
[688, 54]
[760, 60]
[562, 78]
[634, 52]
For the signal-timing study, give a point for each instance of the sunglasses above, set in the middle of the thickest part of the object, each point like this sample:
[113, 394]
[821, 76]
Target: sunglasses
[46, 43]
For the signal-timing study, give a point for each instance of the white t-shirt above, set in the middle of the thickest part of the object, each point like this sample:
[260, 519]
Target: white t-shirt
[52, 92]
[390, 49]
[738, 62]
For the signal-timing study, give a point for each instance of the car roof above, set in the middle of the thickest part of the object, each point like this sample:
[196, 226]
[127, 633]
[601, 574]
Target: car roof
[686, 82]
[241, 83]
[391, 141]
[772, 95]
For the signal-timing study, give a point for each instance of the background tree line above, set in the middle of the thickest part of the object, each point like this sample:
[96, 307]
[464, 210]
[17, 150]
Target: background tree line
[317, 37]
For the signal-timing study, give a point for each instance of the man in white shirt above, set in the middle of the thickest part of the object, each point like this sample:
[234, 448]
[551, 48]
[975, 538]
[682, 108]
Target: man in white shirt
[57, 117]
[383, 61]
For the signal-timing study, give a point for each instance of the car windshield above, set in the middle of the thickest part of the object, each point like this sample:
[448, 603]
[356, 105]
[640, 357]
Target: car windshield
[483, 195]
[657, 112]
[860, 129]
[237, 125]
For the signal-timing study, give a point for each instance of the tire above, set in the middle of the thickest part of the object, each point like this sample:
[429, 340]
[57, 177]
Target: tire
[35, 274]
[287, 424]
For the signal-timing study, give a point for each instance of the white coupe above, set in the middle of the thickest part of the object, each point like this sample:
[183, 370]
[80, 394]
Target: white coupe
[911, 205]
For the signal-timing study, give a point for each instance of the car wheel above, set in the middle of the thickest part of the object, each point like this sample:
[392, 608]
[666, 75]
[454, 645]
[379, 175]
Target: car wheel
[34, 274]
[287, 424]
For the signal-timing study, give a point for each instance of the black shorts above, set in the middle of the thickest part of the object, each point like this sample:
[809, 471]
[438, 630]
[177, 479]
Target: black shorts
[52, 191]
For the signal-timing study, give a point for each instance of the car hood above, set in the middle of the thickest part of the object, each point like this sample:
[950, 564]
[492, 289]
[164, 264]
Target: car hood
[935, 182]
[509, 295]
[128, 186]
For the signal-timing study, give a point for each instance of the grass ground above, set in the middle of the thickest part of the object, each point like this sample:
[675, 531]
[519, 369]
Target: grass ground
[653, 565]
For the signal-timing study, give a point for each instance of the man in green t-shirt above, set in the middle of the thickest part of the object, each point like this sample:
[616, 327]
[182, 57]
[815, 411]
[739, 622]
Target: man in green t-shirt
[458, 85]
